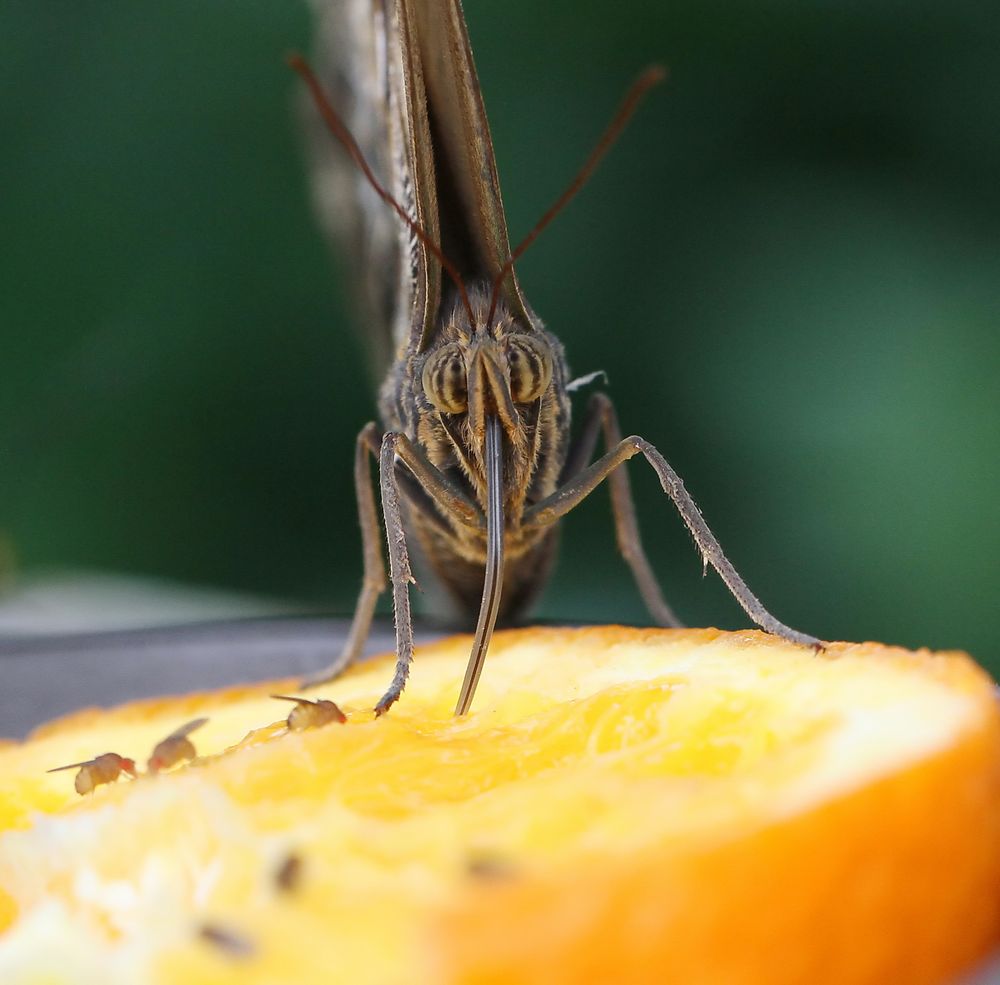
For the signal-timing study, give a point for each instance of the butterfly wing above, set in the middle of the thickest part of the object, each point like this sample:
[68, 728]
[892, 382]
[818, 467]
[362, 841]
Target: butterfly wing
[401, 75]
[454, 132]
[354, 39]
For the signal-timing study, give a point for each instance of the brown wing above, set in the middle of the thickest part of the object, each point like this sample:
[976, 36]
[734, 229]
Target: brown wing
[353, 41]
[452, 157]
[401, 75]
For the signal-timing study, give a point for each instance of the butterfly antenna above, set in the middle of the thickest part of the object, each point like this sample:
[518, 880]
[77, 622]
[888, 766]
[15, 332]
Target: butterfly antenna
[651, 77]
[340, 131]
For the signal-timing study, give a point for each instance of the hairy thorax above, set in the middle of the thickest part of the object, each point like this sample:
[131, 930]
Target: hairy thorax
[439, 398]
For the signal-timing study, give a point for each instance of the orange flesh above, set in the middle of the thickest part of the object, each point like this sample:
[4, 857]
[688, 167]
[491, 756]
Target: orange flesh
[621, 805]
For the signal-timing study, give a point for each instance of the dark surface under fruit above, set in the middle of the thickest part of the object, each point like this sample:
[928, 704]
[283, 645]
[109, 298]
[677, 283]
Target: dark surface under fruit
[46, 676]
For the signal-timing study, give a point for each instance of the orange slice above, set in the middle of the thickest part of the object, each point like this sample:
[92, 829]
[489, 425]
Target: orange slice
[621, 806]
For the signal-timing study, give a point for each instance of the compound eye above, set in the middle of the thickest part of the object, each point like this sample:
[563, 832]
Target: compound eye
[529, 360]
[445, 382]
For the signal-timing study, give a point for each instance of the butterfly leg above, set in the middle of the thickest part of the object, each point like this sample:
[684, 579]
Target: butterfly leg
[397, 446]
[399, 573]
[601, 417]
[577, 488]
[374, 582]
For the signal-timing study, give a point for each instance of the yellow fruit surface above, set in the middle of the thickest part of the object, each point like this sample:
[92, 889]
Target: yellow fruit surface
[622, 805]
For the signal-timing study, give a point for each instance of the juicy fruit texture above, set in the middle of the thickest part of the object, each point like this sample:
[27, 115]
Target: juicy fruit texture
[686, 806]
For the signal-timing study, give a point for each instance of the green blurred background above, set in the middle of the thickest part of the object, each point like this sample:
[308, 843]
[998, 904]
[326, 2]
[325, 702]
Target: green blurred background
[789, 269]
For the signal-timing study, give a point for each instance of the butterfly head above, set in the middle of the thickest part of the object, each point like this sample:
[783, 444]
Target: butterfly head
[480, 367]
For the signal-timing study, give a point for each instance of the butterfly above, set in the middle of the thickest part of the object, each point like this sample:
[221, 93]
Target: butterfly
[476, 461]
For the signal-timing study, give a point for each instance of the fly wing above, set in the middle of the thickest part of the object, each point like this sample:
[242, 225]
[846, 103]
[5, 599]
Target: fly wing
[72, 766]
[186, 729]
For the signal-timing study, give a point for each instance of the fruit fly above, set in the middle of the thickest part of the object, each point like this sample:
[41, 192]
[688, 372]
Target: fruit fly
[475, 457]
[227, 941]
[310, 714]
[105, 768]
[175, 748]
[288, 875]
[490, 868]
